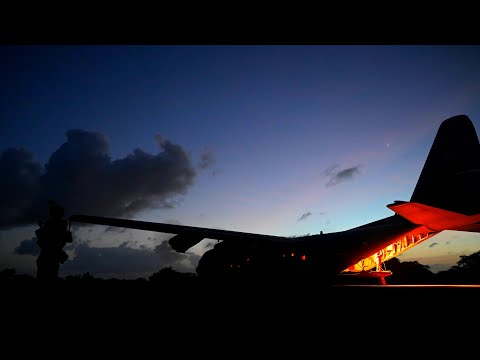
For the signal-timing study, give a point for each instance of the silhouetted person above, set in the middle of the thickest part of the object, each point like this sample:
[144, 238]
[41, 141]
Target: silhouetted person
[52, 236]
[379, 260]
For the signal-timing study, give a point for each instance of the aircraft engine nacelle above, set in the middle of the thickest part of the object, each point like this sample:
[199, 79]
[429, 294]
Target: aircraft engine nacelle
[181, 242]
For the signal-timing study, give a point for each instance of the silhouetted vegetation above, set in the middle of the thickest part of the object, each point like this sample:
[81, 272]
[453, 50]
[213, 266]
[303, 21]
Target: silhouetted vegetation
[409, 272]
[466, 271]
[167, 274]
[81, 277]
[10, 274]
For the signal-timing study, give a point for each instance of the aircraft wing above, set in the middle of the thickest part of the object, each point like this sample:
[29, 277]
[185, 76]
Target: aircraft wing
[186, 236]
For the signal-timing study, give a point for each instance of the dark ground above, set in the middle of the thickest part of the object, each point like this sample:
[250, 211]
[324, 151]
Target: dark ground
[249, 320]
[170, 302]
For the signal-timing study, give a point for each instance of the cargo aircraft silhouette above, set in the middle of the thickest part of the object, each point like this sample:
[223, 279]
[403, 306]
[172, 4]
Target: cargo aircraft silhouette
[446, 197]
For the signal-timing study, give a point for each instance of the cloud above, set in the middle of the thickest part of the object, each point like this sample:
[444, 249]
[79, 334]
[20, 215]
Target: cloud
[115, 229]
[81, 176]
[167, 255]
[440, 267]
[304, 216]
[206, 158]
[336, 176]
[309, 213]
[127, 262]
[433, 244]
[28, 247]
[19, 184]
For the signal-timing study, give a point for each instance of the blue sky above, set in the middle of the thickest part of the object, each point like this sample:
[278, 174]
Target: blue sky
[258, 132]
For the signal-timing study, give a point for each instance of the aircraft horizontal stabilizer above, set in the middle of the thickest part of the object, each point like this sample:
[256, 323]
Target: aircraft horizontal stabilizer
[434, 218]
[181, 243]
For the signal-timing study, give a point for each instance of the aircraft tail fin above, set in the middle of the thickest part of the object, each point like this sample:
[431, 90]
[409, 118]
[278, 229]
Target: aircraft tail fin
[450, 178]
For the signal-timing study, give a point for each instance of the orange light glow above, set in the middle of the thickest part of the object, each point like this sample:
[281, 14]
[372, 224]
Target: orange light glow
[292, 254]
[303, 257]
[395, 248]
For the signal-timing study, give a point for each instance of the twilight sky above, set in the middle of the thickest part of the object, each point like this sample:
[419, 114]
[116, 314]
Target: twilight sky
[280, 140]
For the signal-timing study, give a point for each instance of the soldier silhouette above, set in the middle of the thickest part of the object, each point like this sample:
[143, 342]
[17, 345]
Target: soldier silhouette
[52, 236]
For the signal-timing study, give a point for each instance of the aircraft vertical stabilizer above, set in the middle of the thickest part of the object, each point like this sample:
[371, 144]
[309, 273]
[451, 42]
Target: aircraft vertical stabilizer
[450, 177]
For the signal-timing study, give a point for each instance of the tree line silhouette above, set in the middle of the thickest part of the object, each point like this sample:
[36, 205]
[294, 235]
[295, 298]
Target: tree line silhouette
[466, 271]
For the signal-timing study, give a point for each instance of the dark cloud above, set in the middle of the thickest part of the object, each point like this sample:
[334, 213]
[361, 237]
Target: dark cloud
[304, 216]
[206, 158]
[127, 262]
[433, 244]
[28, 247]
[82, 177]
[115, 229]
[336, 175]
[167, 255]
[19, 184]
